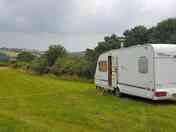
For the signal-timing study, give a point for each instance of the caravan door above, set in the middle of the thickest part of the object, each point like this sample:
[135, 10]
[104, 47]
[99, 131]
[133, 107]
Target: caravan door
[110, 71]
[114, 71]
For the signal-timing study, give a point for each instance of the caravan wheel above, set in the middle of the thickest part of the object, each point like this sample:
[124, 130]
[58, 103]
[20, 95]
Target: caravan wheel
[99, 90]
[117, 92]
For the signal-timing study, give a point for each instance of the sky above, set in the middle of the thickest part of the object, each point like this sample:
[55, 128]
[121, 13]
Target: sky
[75, 24]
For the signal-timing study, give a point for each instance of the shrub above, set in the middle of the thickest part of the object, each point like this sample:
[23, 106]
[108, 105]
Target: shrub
[21, 65]
[70, 65]
[25, 56]
[39, 65]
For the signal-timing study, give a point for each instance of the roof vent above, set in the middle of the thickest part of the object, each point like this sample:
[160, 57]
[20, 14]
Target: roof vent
[121, 44]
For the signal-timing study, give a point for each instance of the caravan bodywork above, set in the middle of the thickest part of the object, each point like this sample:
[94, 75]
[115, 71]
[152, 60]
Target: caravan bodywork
[147, 71]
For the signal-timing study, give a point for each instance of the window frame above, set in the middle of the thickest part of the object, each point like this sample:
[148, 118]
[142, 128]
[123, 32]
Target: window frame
[102, 66]
[143, 65]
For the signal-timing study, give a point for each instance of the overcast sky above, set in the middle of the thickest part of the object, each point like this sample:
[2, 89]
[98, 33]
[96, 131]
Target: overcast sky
[76, 24]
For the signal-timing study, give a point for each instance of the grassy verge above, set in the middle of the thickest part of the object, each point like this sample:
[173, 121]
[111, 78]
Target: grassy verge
[4, 64]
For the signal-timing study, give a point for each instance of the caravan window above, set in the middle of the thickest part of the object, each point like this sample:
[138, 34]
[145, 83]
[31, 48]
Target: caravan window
[103, 66]
[143, 64]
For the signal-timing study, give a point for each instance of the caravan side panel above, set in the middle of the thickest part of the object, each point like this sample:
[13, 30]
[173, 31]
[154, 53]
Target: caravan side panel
[131, 80]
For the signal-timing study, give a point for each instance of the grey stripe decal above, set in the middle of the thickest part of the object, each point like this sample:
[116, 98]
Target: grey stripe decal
[132, 85]
[102, 80]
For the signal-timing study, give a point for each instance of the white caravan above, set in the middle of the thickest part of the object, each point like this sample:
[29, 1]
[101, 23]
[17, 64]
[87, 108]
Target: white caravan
[147, 71]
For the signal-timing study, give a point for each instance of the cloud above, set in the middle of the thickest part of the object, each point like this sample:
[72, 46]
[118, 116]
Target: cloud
[81, 16]
[107, 16]
[78, 18]
[34, 16]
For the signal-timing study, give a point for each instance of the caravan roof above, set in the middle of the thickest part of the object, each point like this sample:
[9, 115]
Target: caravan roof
[159, 49]
[164, 50]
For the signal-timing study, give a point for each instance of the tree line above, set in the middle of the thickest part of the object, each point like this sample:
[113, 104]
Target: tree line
[58, 61]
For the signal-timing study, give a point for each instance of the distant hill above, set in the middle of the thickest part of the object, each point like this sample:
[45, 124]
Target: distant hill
[81, 53]
[9, 53]
[13, 52]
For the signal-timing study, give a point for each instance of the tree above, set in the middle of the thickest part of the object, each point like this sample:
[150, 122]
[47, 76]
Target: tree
[53, 53]
[164, 32]
[91, 55]
[25, 56]
[137, 35]
[91, 59]
[110, 42]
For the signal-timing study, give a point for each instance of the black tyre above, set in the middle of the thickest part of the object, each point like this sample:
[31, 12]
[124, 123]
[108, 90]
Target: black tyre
[117, 92]
[97, 87]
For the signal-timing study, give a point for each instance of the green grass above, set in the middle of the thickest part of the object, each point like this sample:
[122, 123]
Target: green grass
[31, 103]
[4, 63]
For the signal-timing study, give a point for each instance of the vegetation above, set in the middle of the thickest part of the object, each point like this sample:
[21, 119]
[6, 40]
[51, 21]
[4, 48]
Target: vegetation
[42, 104]
[70, 65]
[4, 63]
[58, 61]
[19, 64]
[25, 56]
[110, 42]
[39, 65]
[137, 35]
[54, 52]
[164, 32]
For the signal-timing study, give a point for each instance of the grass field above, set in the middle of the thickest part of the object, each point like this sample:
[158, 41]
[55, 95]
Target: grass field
[43, 104]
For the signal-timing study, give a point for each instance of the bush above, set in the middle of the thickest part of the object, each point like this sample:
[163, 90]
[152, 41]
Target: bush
[39, 65]
[70, 66]
[25, 56]
[22, 65]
